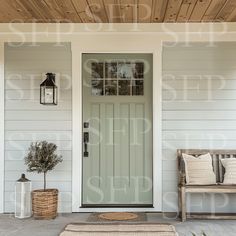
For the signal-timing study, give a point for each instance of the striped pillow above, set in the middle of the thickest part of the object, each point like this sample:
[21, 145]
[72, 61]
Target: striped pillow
[199, 170]
[230, 170]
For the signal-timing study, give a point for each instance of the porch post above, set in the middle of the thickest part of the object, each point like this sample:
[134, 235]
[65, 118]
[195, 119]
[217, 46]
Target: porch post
[1, 127]
[157, 127]
[77, 126]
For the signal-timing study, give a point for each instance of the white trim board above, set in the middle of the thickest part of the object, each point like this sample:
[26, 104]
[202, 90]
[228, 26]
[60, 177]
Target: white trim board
[2, 87]
[76, 127]
[67, 29]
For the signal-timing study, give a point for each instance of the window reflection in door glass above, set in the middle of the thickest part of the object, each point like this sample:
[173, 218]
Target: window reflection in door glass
[125, 70]
[124, 87]
[111, 70]
[97, 87]
[110, 87]
[117, 78]
[97, 70]
[138, 72]
[137, 87]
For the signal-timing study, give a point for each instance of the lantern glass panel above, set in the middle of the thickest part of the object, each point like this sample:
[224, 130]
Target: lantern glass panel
[23, 200]
[55, 95]
[49, 95]
[42, 95]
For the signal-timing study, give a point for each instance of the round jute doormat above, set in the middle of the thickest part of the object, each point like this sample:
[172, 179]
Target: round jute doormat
[118, 216]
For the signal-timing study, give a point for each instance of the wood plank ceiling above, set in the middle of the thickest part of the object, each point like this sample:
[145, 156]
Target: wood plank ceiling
[117, 11]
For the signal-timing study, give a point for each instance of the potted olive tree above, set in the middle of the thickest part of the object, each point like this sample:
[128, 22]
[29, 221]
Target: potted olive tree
[42, 158]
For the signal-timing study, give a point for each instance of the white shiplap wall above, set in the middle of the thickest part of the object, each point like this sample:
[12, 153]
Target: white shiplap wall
[26, 120]
[199, 111]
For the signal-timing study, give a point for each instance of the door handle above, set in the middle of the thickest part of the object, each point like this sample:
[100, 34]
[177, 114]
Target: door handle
[86, 140]
[86, 137]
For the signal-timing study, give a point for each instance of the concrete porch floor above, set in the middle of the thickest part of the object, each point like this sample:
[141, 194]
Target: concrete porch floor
[9, 226]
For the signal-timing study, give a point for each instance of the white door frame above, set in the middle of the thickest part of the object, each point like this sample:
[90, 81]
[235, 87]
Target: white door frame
[2, 128]
[77, 105]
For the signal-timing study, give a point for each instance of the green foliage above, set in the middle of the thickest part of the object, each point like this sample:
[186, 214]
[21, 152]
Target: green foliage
[42, 158]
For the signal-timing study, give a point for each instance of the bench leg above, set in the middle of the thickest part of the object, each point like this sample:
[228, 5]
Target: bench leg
[179, 202]
[183, 204]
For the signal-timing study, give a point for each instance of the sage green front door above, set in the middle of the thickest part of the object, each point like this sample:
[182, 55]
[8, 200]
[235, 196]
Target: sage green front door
[117, 130]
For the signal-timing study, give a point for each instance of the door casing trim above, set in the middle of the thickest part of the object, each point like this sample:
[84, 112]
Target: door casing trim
[77, 52]
[2, 126]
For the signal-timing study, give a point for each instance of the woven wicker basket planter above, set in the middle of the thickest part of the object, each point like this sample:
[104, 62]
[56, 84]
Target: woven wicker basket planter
[44, 204]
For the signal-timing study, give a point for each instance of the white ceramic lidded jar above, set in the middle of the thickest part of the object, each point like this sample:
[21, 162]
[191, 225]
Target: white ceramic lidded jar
[23, 198]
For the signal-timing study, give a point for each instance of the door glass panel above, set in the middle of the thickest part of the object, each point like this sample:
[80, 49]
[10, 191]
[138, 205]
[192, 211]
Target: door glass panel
[124, 87]
[110, 87]
[111, 70]
[97, 87]
[125, 70]
[122, 78]
[97, 70]
[137, 87]
[138, 72]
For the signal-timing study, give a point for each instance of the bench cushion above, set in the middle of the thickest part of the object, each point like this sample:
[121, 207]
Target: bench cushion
[199, 170]
[230, 170]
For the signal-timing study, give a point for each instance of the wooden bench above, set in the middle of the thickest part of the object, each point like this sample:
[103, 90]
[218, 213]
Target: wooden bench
[183, 188]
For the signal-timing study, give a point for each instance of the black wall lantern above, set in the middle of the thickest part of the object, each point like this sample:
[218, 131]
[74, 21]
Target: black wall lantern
[48, 90]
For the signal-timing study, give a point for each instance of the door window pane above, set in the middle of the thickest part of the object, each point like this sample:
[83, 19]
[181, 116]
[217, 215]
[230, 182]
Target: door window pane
[97, 70]
[124, 87]
[97, 87]
[110, 87]
[138, 71]
[125, 70]
[111, 70]
[137, 87]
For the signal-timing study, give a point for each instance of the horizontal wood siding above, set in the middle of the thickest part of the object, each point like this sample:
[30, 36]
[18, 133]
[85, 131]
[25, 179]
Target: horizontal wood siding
[199, 112]
[27, 121]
